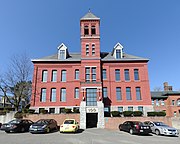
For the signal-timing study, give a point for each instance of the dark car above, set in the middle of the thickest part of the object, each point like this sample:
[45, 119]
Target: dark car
[18, 125]
[135, 127]
[43, 126]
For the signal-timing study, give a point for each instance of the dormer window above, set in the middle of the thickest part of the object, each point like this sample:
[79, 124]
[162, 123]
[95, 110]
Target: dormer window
[86, 30]
[117, 51]
[62, 52]
[93, 30]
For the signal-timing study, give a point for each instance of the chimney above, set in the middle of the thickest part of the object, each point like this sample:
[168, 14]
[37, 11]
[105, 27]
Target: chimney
[166, 87]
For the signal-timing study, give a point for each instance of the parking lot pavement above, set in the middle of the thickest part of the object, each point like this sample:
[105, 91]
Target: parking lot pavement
[88, 136]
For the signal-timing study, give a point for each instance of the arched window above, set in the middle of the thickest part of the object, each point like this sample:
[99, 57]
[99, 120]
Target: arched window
[93, 30]
[76, 93]
[63, 75]
[178, 102]
[86, 30]
[93, 49]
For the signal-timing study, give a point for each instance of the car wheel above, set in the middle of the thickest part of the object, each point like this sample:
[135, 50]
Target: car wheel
[120, 128]
[157, 132]
[48, 130]
[131, 131]
[7, 131]
[22, 129]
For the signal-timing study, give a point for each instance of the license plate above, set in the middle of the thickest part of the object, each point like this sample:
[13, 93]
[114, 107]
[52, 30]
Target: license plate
[67, 128]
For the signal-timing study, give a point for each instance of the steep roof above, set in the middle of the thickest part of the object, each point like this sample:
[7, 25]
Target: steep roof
[105, 56]
[90, 16]
[163, 94]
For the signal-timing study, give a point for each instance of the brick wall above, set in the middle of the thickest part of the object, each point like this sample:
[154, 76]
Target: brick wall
[113, 122]
[110, 122]
[58, 117]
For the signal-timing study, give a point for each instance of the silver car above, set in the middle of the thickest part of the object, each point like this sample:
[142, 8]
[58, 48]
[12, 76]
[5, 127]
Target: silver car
[160, 128]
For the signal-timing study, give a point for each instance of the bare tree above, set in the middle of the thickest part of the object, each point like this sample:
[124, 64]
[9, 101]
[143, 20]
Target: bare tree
[16, 81]
[157, 89]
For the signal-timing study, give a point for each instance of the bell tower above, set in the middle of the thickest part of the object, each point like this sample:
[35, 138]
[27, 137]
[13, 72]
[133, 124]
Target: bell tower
[90, 36]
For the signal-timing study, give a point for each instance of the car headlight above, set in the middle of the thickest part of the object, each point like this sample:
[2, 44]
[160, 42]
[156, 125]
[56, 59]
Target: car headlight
[44, 126]
[30, 126]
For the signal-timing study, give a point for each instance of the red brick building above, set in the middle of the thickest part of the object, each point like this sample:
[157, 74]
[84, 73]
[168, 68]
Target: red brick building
[92, 81]
[167, 100]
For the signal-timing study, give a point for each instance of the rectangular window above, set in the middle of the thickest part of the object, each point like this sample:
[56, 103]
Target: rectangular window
[117, 75]
[157, 102]
[63, 95]
[152, 102]
[87, 49]
[86, 30]
[118, 53]
[162, 102]
[105, 95]
[91, 97]
[130, 108]
[76, 96]
[140, 108]
[174, 113]
[178, 102]
[120, 109]
[118, 93]
[63, 75]
[128, 93]
[44, 75]
[104, 74]
[62, 110]
[87, 74]
[43, 95]
[93, 30]
[51, 110]
[77, 74]
[126, 73]
[138, 93]
[62, 54]
[136, 74]
[93, 49]
[106, 109]
[54, 76]
[53, 95]
[173, 102]
[93, 74]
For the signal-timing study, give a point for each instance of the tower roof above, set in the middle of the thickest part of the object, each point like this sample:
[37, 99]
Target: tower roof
[90, 16]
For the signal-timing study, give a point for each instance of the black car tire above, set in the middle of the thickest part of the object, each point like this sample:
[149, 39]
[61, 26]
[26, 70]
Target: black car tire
[157, 132]
[22, 129]
[7, 131]
[120, 128]
[131, 131]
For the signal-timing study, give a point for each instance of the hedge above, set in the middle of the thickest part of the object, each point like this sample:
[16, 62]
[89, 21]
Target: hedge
[127, 113]
[18, 115]
[137, 113]
[115, 113]
[155, 113]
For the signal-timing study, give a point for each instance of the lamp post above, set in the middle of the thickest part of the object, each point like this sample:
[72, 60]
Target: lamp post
[4, 100]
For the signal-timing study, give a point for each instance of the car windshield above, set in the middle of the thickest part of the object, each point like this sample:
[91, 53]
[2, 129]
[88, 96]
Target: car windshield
[138, 123]
[14, 122]
[69, 122]
[160, 124]
[42, 121]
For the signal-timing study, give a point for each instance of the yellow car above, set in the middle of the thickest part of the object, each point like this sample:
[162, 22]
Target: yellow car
[69, 125]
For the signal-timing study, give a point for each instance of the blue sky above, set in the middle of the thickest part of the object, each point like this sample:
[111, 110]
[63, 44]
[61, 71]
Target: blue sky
[146, 28]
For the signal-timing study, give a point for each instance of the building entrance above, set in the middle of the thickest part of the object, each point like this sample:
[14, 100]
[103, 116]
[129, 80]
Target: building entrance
[91, 120]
